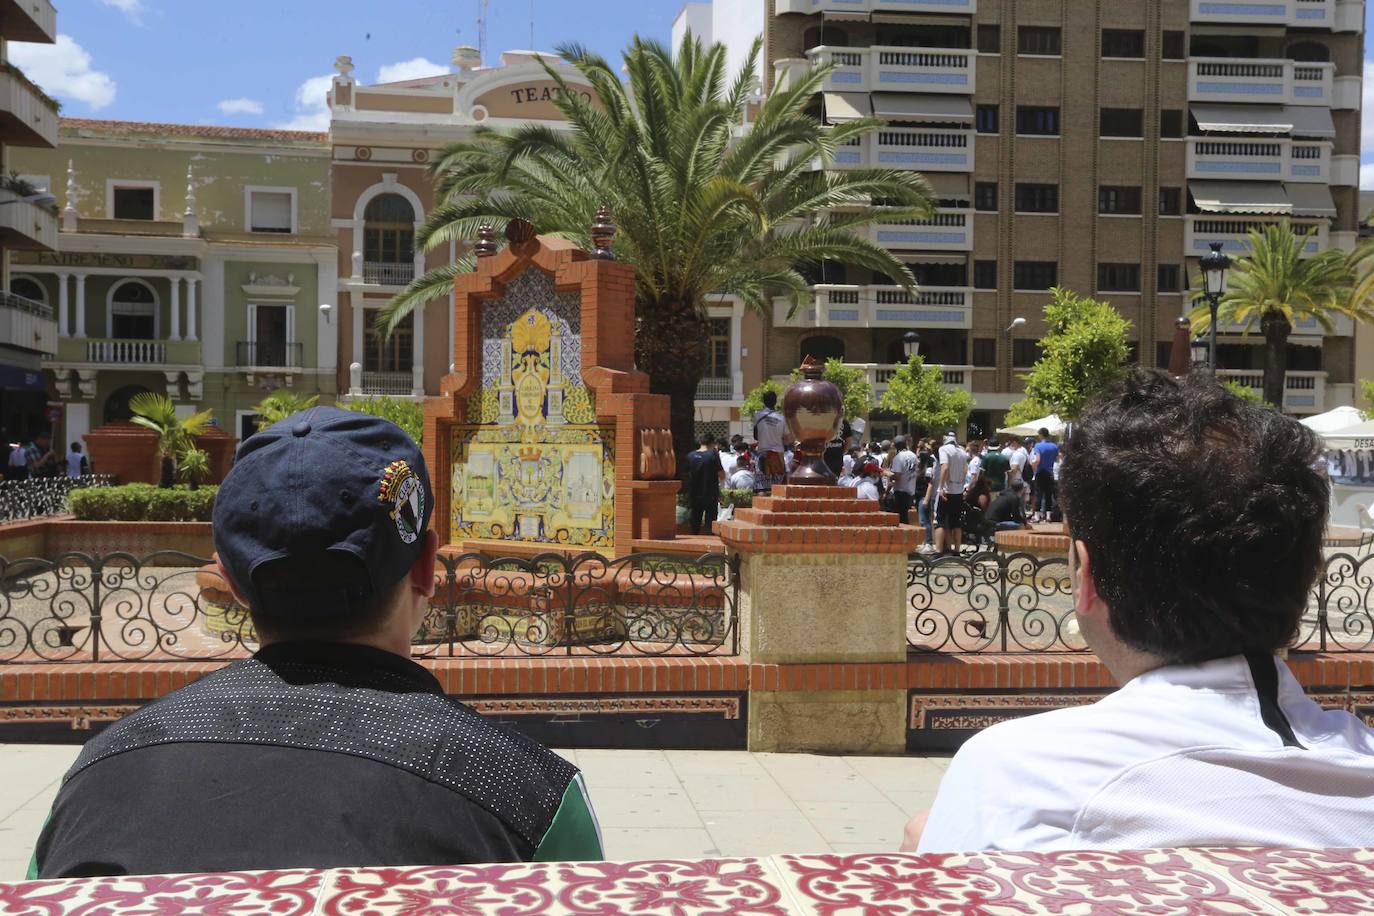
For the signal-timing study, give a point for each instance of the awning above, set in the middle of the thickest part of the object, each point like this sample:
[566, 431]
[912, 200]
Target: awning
[846, 106]
[929, 108]
[1243, 119]
[1239, 197]
[1311, 121]
[850, 15]
[17, 378]
[911, 18]
[1310, 199]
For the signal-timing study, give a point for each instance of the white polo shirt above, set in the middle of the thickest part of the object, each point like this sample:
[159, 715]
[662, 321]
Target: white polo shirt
[1185, 755]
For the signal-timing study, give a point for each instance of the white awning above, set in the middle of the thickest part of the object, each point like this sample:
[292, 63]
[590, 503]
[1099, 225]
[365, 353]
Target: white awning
[1311, 121]
[1239, 197]
[1243, 119]
[1333, 420]
[1310, 199]
[936, 109]
[850, 15]
[846, 106]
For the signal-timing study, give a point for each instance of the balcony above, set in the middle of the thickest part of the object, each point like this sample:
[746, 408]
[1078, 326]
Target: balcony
[384, 273]
[1276, 81]
[931, 150]
[879, 307]
[27, 325]
[1303, 392]
[28, 20]
[941, 70]
[864, 7]
[1232, 232]
[274, 356]
[26, 226]
[27, 116]
[106, 351]
[388, 383]
[1307, 14]
[1260, 160]
[716, 389]
[947, 230]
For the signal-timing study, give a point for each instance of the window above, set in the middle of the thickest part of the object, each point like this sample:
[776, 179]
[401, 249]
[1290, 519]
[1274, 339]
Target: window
[1035, 274]
[1118, 200]
[987, 118]
[984, 274]
[1118, 278]
[1031, 119]
[1123, 43]
[1123, 122]
[133, 311]
[1037, 198]
[718, 349]
[1170, 201]
[1173, 46]
[822, 348]
[271, 333]
[1169, 278]
[829, 36]
[984, 351]
[133, 202]
[388, 354]
[271, 209]
[1033, 39]
[1171, 123]
[989, 39]
[1025, 353]
[985, 196]
[28, 288]
[389, 240]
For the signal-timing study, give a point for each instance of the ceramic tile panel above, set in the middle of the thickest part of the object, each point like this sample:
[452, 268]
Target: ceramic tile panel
[278, 893]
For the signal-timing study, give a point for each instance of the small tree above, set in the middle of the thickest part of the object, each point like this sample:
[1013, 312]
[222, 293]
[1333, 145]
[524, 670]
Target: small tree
[194, 466]
[1084, 351]
[408, 415]
[918, 393]
[176, 435]
[281, 404]
[852, 382]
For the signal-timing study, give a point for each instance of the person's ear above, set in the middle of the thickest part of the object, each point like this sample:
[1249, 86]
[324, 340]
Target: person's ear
[422, 573]
[233, 589]
[1085, 596]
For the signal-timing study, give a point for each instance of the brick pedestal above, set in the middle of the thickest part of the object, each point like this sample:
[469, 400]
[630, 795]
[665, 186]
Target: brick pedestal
[823, 580]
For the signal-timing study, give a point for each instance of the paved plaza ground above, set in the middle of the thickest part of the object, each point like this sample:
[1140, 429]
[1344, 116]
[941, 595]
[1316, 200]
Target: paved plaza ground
[652, 804]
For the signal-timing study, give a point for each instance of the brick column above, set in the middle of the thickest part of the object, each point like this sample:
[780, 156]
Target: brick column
[822, 579]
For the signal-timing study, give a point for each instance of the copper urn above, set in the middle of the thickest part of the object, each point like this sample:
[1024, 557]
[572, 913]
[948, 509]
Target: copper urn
[814, 410]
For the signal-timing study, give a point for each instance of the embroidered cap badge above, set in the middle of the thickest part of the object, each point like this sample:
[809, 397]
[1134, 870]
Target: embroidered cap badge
[401, 488]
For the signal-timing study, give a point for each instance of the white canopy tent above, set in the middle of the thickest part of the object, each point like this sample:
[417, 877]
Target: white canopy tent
[1359, 436]
[1334, 420]
[1033, 427]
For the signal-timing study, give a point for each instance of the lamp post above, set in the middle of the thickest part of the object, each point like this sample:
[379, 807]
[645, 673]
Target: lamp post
[1199, 348]
[1214, 265]
[911, 344]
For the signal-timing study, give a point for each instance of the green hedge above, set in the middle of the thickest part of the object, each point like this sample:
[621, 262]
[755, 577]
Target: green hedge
[141, 502]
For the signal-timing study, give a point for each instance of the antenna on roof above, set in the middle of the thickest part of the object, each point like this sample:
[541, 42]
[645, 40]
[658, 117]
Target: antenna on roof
[482, 6]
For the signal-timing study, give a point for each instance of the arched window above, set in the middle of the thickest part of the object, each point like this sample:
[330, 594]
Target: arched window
[1309, 51]
[29, 288]
[830, 37]
[389, 240]
[133, 311]
[822, 347]
[117, 404]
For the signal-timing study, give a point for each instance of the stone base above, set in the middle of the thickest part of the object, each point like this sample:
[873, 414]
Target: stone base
[828, 721]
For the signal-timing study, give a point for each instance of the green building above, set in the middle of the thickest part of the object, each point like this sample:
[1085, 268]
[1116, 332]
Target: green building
[192, 260]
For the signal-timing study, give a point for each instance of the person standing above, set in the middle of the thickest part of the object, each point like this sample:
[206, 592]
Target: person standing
[704, 475]
[975, 463]
[904, 469]
[770, 432]
[996, 468]
[949, 491]
[77, 465]
[40, 457]
[17, 465]
[1046, 456]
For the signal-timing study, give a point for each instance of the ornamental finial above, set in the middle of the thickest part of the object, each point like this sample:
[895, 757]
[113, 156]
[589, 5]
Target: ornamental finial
[603, 233]
[486, 241]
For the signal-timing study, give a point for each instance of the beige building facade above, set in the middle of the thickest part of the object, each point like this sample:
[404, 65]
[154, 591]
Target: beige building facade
[1096, 146]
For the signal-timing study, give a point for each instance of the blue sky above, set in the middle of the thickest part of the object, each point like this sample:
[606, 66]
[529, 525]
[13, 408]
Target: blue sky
[266, 63]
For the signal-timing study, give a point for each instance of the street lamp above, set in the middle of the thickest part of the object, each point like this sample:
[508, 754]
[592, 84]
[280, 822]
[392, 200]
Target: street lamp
[911, 344]
[1199, 348]
[1214, 265]
[1015, 323]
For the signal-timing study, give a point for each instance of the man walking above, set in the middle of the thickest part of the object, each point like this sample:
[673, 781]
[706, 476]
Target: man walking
[903, 473]
[328, 747]
[949, 491]
[704, 475]
[770, 432]
[1045, 455]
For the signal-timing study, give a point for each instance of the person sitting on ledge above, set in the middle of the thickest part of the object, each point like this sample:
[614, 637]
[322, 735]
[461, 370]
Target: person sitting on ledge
[329, 746]
[1008, 511]
[1190, 572]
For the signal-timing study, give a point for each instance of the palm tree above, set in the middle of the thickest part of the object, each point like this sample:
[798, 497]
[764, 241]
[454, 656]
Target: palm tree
[176, 435]
[1276, 287]
[281, 404]
[714, 190]
[194, 466]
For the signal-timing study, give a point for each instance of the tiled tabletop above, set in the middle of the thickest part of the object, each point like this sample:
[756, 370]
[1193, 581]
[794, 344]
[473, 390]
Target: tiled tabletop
[1222, 881]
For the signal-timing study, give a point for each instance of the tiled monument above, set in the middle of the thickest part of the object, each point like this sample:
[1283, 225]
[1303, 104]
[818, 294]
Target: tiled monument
[545, 436]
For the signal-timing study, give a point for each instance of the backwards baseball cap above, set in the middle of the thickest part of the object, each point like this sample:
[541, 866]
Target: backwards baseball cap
[322, 481]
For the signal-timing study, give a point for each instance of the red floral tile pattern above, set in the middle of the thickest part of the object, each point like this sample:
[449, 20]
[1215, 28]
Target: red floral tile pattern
[278, 893]
[1299, 881]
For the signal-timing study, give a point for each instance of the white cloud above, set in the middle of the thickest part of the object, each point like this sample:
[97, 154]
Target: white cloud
[412, 69]
[133, 9]
[312, 105]
[64, 69]
[241, 106]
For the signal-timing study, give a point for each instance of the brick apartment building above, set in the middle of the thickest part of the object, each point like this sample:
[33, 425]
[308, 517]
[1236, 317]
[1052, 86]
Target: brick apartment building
[1099, 145]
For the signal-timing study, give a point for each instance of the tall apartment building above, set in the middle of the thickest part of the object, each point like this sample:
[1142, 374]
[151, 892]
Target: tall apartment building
[1100, 146]
[27, 223]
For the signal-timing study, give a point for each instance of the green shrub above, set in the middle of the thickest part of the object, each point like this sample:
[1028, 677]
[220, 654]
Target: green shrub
[409, 415]
[739, 498]
[139, 502]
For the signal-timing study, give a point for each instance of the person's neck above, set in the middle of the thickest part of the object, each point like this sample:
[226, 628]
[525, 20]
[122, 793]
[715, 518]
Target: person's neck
[1126, 664]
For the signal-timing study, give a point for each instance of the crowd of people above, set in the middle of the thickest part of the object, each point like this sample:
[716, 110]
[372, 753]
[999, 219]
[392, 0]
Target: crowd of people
[38, 458]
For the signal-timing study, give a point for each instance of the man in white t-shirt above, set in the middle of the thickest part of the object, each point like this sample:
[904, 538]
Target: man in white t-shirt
[948, 495]
[1188, 576]
[770, 432]
[903, 474]
[1017, 456]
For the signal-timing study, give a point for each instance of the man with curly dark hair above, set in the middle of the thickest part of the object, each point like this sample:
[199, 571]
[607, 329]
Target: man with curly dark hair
[1190, 573]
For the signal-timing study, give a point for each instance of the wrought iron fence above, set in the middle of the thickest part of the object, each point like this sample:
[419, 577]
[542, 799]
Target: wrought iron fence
[1019, 602]
[39, 496]
[173, 606]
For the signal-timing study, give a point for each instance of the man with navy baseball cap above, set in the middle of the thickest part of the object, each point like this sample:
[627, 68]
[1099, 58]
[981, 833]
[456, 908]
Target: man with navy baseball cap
[329, 746]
